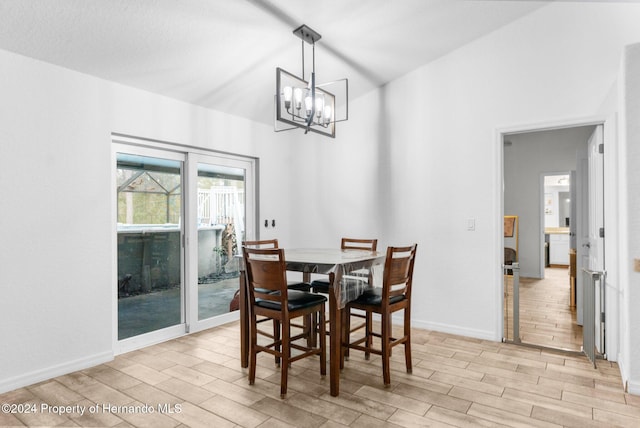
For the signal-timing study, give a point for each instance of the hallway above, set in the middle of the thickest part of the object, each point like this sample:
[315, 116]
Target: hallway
[546, 319]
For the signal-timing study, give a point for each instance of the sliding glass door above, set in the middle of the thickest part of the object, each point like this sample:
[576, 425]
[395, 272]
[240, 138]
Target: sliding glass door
[150, 229]
[181, 218]
[223, 185]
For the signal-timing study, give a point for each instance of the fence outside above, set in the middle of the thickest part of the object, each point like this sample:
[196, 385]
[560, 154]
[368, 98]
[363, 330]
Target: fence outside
[221, 205]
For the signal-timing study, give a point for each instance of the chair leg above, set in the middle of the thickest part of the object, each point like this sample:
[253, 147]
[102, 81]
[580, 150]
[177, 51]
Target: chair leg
[368, 329]
[252, 352]
[386, 334]
[323, 342]
[276, 338]
[346, 329]
[286, 354]
[309, 328]
[407, 344]
[390, 336]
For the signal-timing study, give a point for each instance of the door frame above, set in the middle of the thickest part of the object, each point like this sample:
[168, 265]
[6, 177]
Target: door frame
[609, 123]
[190, 322]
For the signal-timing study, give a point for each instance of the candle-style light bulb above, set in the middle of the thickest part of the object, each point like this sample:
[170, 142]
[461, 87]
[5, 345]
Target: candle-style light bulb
[327, 114]
[308, 104]
[287, 93]
[319, 106]
[297, 96]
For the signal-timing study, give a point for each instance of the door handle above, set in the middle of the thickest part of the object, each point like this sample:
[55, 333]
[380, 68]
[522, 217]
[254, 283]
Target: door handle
[587, 245]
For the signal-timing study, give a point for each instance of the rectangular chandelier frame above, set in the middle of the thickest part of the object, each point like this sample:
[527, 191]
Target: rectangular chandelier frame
[295, 115]
[305, 104]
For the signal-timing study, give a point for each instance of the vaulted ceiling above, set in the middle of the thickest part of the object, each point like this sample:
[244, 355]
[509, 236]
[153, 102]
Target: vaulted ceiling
[222, 54]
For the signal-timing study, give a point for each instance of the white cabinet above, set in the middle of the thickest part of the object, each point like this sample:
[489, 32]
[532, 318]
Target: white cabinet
[559, 249]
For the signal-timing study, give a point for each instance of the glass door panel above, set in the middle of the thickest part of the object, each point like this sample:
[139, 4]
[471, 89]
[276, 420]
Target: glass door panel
[150, 256]
[221, 220]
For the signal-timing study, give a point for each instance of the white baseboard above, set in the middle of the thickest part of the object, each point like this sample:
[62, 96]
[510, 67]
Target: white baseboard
[633, 388]
[54, 371]
[446, 328]
[457, 330]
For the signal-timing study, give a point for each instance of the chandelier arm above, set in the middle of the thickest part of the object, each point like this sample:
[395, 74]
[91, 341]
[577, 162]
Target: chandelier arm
[313, 102]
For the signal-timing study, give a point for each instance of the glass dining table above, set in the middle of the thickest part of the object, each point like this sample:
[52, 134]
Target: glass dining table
[343, 268]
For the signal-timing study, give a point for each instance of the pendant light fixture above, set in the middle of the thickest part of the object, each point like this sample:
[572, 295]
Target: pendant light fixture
[304, 103]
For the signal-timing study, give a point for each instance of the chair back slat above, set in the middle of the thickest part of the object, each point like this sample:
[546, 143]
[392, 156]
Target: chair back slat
[359, 244]
[266, 274]
[265, 243]
[398, 272]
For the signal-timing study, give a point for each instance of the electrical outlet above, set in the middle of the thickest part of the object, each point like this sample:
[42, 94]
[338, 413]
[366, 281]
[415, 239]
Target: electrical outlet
[636, 265]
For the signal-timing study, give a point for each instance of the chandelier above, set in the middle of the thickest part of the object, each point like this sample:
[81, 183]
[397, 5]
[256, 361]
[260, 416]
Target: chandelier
[304, 103]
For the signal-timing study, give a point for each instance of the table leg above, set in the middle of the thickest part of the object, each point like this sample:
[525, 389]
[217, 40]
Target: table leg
[335, 342]
[244, 322]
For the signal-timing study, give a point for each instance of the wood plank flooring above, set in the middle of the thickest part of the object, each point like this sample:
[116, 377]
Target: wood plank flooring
[546, 319]
[196, 381]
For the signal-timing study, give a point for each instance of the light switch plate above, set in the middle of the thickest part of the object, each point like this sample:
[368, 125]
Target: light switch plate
[471, 224]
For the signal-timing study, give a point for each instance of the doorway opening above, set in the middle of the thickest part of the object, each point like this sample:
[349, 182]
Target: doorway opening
[540, 184]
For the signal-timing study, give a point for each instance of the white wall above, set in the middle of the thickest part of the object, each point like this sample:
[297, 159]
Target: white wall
[530, 155]
[416, 159]
[630, 220]
[56, 226]
[336, 184]
[444, 123]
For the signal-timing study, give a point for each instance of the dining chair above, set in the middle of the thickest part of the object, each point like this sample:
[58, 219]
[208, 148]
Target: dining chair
[270, 297]
[393, 296]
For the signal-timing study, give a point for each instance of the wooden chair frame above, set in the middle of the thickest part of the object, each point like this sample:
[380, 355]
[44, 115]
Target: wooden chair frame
[269, 297]
[396, 287]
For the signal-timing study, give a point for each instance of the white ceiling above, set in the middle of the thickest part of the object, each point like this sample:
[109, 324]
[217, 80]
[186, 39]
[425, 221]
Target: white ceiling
[222, 54]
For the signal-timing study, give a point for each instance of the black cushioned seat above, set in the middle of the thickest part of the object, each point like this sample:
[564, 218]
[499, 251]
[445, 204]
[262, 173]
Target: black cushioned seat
[296, 300]
[373, 296]
[302, 286]
[320, 286]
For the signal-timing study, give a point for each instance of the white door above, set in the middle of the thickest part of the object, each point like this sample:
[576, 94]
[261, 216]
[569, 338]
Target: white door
[582, 228]
[596, 215]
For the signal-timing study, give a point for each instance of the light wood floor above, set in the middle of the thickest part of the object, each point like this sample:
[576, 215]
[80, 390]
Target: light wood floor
[456, 381]
[546, 318]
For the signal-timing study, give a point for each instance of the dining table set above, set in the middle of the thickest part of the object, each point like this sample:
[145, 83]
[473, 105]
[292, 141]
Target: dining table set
[342, 267]
[354, 276]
